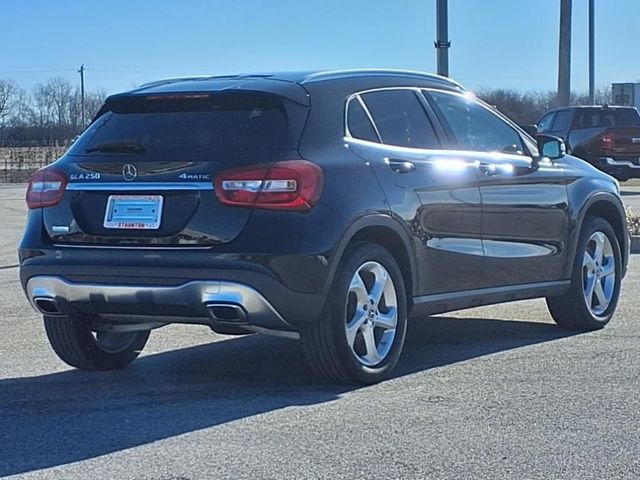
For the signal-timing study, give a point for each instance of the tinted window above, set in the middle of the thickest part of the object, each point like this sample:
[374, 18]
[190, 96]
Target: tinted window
[400, 119]
[545, 123]
[622, 117]
[475, 127]
[200, 127]
[358, 122]
[562, 122]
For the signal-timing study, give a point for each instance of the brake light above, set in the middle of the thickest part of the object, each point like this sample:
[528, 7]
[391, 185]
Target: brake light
[46, 188]
[287, 185]
[607, 143]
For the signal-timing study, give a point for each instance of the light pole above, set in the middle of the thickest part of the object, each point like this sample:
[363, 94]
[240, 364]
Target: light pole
[564, 54]
[442, 42]
[592, 53]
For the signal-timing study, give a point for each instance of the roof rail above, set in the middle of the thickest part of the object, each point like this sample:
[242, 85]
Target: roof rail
[331, 74]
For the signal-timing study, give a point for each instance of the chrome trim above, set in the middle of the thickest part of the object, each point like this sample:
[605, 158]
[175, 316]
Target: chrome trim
[369, 116]
[153, 248]
[367, 113]
[194, 296]
[141, 186]
[619, 163]
[531, 288]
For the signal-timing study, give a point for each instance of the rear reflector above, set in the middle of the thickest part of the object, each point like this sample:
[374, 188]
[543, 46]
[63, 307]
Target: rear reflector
[287, 185]
[46, 188]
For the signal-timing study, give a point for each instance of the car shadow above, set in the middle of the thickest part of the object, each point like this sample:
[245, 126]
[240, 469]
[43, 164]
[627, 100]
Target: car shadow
[65, 417]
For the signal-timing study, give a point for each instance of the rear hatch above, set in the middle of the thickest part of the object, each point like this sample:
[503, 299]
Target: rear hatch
[142, 173]
[616, 131]
[625, 142]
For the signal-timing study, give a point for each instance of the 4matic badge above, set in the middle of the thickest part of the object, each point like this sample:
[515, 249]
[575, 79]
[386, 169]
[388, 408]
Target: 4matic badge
[194, 176]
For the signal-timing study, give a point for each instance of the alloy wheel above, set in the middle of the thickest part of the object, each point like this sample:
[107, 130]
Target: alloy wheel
[372, 314]
[598, 273]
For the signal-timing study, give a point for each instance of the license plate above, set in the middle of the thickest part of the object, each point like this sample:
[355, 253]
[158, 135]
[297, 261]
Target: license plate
[134, 212]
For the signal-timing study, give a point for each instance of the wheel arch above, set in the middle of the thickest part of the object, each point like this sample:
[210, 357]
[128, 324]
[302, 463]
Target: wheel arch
[610, 208]
[387, 232]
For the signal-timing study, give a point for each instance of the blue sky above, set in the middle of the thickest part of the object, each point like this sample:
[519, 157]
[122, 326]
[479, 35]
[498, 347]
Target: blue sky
[495, 43]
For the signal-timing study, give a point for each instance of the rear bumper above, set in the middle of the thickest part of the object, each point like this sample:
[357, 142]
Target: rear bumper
[203, 302]
[147, 287]
[619, 168]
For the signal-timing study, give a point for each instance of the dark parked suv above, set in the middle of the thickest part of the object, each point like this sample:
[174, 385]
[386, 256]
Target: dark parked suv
[329, 206]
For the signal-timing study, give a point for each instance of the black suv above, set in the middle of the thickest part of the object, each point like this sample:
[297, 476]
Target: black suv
[326, 206]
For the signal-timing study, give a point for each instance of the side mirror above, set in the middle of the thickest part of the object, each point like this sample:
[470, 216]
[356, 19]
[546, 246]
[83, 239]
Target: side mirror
[551, 147]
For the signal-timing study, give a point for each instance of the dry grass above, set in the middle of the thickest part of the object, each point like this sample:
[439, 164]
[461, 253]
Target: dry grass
[633, 220]
[18, 163]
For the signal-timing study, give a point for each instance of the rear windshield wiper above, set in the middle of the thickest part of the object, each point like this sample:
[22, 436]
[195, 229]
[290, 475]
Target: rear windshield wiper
[118, 147]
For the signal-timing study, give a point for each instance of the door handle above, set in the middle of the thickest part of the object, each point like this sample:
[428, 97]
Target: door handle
[488, 168]
[400, 166]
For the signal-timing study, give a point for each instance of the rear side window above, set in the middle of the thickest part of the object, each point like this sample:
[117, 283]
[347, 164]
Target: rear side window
[545, 124]
[597, 118]
[562, 123]
[215, 127]
[400, 119]
[475, 127]
[358, 122]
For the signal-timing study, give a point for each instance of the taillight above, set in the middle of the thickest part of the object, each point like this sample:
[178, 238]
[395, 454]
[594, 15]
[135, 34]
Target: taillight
[607, 143]
[46, 188]
[287, 185]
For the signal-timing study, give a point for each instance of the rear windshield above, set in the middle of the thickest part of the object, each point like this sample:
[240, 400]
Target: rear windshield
[619, 117]
[201, 127]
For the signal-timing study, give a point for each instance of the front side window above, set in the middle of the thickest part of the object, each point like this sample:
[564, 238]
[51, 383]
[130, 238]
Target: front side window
[400, 118]
[475, 127]
[545, 124]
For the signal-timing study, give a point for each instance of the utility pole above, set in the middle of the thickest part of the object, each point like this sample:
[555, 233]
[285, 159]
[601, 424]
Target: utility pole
[81, 72]
[442, 43]
[592, 53]
[564, 54]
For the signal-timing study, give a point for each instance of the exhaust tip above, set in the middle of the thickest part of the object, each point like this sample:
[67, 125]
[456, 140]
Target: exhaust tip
[47, 306]
[227, 313]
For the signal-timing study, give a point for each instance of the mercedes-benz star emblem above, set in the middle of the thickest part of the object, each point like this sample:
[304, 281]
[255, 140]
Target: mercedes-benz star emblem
[129, 172]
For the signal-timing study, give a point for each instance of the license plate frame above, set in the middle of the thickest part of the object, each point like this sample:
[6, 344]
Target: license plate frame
[133, 212]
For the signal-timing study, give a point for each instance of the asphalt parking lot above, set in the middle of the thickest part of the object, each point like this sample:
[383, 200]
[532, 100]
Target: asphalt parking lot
[494, 392]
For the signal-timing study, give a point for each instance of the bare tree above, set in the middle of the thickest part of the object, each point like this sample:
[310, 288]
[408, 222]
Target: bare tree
[93, 102]
[8, 94]
[528, 107]
[61, 93]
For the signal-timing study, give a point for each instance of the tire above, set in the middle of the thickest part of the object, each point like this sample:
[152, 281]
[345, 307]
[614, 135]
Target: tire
[75, 344]
[371, 351]
[585, 307]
